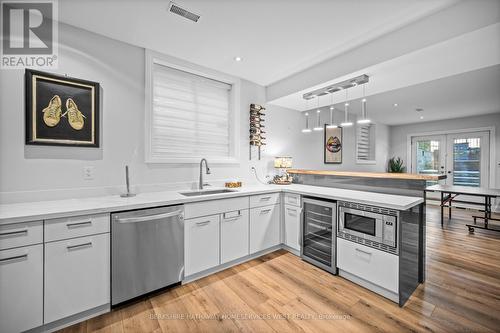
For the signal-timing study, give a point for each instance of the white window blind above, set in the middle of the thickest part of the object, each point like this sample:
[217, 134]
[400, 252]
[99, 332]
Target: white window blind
[190, 116]
[365, 143]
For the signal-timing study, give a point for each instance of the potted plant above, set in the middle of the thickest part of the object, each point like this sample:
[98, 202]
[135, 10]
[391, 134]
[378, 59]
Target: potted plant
[396, 165]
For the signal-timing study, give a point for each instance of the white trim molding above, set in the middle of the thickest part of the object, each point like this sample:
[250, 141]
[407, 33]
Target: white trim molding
[151, 58]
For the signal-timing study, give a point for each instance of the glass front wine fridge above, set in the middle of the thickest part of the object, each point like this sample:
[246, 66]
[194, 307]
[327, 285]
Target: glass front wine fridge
[318, 240]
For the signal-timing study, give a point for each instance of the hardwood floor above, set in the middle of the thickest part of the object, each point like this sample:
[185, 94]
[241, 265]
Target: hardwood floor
[281, 293]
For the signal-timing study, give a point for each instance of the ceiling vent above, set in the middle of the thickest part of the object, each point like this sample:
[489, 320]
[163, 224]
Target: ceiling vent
[174, 8]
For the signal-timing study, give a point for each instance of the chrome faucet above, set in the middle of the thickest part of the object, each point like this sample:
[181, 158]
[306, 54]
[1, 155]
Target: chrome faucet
[207, 171]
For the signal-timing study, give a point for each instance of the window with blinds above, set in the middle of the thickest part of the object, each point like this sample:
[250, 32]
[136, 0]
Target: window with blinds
[365, 143]
[190, 117]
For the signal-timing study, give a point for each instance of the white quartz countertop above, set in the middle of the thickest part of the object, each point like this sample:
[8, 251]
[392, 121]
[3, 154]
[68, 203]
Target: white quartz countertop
[30, 211]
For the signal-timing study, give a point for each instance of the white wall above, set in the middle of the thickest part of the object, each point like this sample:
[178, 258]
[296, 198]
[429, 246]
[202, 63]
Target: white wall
[399, 134]
[30, 173]
[311, 146]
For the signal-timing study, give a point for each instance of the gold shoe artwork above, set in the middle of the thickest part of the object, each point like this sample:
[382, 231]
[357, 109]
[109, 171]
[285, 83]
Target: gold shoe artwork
[75, 116]
[52, 113]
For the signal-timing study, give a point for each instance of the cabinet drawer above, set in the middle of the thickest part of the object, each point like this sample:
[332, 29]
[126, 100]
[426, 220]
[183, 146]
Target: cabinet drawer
[234, 235]
[292, 199]
[372, 265]
[211, 207]
[264, 227]
[201, 241]
[21, 234]
[76, 276]
[21, 288]
[77, 226]
[264, 200]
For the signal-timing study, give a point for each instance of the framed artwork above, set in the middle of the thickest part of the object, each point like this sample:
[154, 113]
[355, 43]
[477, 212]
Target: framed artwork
[60, 110]
[333, 145]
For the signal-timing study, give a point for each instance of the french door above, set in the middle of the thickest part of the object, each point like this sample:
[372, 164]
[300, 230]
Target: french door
[463, 157]
[429, 157]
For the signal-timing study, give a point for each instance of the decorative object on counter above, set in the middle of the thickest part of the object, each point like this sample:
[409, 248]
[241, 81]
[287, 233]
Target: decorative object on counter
[256, 127]
[396, 165]
[282, 163]
[128, 194]
[333, 145]
[61, 110]
[233, 184]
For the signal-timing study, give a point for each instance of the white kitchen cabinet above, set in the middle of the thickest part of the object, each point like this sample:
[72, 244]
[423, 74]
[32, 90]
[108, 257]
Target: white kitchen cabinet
[21, 288]
[375, 266]
[201, 244]
[291, 230]
[77, 275]
[234, 242]
[21, 234]
[264, 199]
[264, 227]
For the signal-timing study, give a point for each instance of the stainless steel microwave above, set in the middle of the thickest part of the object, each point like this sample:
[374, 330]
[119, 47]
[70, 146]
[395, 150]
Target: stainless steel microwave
[372, 223]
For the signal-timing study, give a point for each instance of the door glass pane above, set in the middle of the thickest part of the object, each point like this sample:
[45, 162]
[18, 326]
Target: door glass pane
[467, 162]
[428, 158]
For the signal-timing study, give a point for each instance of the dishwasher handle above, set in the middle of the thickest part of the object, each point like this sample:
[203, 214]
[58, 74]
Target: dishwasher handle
[149, 217]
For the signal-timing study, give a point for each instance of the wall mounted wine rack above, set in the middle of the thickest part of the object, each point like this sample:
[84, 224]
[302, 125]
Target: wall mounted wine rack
[257, 128]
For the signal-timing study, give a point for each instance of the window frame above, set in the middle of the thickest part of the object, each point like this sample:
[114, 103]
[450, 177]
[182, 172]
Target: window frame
[374, 160]
[151, 58]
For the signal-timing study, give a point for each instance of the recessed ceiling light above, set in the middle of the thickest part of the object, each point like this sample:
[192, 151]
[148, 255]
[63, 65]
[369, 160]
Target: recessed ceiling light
[238, 59]
[421, 117]
[395, 104]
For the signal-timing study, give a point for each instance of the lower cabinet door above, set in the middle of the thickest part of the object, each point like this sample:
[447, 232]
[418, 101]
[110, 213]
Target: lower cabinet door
[21, 288]
[292, 226]
[77, 275]
[201, 244]
[378, 267]
[234, 241]
[264, 227]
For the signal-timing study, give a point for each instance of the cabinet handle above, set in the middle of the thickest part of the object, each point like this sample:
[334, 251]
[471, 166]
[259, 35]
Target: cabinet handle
[22, 256]
[265, 198]
[12, 233]
[292, 210]
[72, 247]
[362, 251]
[78, 224]
[203, 223]
[232, 219]
[265, 211]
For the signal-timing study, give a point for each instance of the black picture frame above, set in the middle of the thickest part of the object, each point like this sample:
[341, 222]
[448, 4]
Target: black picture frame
[79, 96]
[328, 156]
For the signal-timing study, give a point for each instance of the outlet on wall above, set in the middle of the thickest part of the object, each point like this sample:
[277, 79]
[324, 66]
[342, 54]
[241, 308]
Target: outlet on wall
[88, 173]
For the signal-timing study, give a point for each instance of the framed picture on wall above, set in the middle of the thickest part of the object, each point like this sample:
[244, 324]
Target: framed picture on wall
[60, 110]
[332, 145]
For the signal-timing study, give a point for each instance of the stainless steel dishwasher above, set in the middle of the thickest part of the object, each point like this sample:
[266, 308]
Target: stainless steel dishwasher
[147, 251]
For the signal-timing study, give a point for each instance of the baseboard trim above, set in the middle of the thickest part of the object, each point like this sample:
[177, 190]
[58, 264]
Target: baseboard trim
[71, 320]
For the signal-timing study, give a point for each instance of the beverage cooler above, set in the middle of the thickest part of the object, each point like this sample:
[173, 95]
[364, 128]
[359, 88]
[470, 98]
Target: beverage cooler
[318, 242]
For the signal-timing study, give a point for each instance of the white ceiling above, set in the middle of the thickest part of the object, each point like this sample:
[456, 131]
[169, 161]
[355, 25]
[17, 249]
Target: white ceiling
[468, 54]
[275, 38]
[462, 95]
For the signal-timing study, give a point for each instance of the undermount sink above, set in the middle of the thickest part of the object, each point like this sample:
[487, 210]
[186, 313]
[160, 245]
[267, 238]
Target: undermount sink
[196, 193]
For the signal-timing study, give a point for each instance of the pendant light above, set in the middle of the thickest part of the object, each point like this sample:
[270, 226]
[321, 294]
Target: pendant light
[306, 129]
[364, 119]
[331, 124]
[346, 122]
[318, 126]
